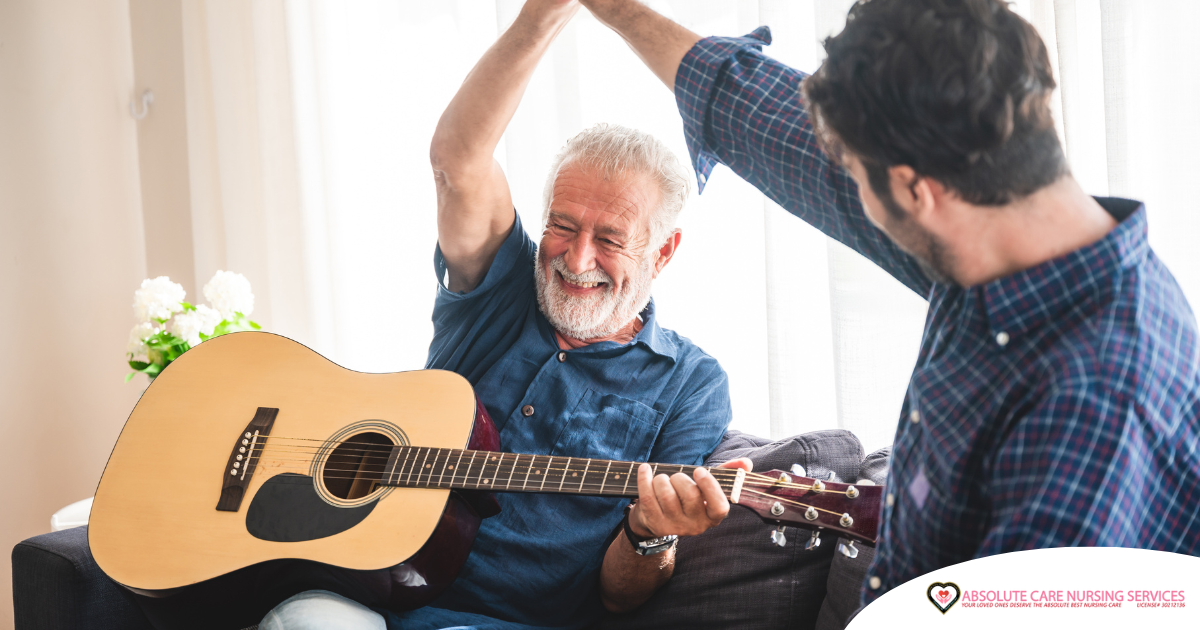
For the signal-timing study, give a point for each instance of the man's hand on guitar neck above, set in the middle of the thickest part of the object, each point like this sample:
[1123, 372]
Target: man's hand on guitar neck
[679, 505]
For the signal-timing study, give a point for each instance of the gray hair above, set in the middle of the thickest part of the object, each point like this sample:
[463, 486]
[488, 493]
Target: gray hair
[615, 150]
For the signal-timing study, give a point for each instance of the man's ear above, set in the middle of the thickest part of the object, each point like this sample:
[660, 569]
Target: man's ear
[667, 251]
[916, 194]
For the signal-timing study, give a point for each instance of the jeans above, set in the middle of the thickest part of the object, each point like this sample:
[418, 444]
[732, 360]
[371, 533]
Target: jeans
[323, 610]
[315, 610]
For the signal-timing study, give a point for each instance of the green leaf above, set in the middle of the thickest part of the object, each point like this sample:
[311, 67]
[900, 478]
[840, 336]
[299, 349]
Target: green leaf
[138, 365]
[130, 376]
[187, 307]
[255, 326]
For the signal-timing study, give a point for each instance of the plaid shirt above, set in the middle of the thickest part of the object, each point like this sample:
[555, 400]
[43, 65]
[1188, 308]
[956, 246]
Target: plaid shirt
[1057, 406]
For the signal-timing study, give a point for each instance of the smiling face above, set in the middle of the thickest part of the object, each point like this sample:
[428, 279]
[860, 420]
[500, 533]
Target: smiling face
[595, 263]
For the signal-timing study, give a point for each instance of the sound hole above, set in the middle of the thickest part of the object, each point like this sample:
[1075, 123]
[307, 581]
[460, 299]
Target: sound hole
[354, 468]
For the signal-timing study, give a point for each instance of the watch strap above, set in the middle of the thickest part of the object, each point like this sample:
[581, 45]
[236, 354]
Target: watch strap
[642, 545]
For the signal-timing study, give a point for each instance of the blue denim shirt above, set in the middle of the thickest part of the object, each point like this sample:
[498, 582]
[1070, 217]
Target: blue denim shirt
[658, 398]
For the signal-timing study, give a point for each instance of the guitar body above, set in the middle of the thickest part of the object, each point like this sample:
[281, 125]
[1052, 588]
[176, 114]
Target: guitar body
[199, 516]
[253, 469]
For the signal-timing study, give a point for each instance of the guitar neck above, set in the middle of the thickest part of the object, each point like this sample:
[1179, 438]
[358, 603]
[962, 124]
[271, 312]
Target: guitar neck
[421, 467]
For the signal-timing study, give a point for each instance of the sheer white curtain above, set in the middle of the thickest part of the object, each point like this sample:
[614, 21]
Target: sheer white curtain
[321, 190]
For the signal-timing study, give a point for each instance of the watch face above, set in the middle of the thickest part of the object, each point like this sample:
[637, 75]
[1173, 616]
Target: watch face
[655, 545]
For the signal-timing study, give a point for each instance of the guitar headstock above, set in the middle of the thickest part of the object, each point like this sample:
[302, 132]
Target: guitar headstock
[783, 498]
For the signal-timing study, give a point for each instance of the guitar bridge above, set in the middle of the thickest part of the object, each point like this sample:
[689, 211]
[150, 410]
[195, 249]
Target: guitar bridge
[243, 459]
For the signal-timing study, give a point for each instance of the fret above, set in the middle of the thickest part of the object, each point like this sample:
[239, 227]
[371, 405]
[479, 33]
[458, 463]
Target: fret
[564, 475]
[605, 478]
[585, 469]
[408, 478]
[470, 465]
[420, 468]
[427, 467]
[395, 460]
[513, 469]
[487, 482]
[545, 474]
[399, 474]
[408, 451]
[442, 474]
[654, 473]
[629, 474]
[457, 467]
[528, 471]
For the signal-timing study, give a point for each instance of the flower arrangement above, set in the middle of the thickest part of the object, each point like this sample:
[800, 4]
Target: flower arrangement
[168, 326]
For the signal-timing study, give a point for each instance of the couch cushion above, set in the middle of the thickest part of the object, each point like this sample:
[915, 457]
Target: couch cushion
[57, 586]
[733, 576]
[846, 575]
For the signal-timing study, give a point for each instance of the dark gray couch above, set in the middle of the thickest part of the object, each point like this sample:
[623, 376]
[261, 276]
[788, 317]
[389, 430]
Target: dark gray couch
[732, 576]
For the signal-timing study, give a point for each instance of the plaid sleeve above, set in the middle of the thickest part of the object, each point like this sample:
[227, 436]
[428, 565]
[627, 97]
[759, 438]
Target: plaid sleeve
[1075, 472]
[743, 109]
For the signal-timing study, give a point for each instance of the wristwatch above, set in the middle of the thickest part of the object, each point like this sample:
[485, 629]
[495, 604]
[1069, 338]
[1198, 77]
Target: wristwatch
[646, 546]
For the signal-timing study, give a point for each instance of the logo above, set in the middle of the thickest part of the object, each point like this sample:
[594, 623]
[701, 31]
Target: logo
[943, 596]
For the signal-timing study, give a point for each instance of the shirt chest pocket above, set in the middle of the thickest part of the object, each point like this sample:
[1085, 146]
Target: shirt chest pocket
[607, 426]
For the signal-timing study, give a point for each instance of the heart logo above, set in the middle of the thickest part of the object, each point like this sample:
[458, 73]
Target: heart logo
[943, 596]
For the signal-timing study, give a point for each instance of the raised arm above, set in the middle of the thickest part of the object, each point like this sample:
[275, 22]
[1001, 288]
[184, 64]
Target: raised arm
[744, 109]
[658, 41]
[475, 209]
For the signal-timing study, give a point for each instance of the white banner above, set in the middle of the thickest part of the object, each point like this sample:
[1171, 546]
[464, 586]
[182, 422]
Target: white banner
[1083, 587]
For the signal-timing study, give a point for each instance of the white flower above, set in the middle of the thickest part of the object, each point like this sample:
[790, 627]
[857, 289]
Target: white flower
[189, 325]
[137, 341]
[229, 293]
[158, 299]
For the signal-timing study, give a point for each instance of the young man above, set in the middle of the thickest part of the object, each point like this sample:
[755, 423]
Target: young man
[561, 343]
[1055, 401]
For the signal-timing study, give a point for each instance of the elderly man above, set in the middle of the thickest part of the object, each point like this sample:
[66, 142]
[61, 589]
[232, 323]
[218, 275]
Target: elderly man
[1056, 399]
[561, 342]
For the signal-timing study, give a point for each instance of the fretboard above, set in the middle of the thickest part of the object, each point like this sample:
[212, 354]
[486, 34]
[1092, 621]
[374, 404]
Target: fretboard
[421, 467]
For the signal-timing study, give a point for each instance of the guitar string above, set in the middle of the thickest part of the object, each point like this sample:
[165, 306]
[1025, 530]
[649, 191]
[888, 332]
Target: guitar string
[499, 467]
[444, 455]
[371, 455]
[431, 465]
[720, 473]
[596, 489]
[416, 478]
[377, 449]
[498, 470]
[268, 439]
[588, 489]
[796, 503]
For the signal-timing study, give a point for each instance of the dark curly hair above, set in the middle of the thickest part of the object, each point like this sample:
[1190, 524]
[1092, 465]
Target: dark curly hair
[958, 90]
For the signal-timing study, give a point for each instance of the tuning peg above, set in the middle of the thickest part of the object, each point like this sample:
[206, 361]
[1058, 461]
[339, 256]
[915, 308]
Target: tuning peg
[798, 470]
[814, 541]
[848, 549]
[778, 538]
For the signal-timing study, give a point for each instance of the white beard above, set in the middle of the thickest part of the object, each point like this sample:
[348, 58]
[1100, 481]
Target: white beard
[592, 317]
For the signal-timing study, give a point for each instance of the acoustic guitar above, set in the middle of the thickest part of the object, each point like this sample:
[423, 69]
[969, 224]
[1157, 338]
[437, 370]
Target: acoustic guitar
[252, 450]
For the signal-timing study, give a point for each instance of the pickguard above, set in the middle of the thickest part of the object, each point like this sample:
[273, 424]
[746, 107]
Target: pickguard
[287, 508]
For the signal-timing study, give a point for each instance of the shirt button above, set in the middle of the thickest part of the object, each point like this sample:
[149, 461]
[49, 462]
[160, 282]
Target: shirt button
[890, 499]
[1002, 338]
[527, 410]
[914, 416]
[874, 582]
[562, 357]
